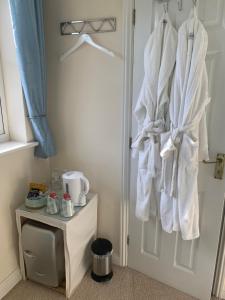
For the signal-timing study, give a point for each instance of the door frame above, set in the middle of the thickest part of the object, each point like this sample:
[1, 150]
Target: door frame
[219, 277]
[128, 39]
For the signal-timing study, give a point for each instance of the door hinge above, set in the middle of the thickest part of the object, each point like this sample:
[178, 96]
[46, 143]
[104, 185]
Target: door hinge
[134, 17]
[130, 142]
[128, 240]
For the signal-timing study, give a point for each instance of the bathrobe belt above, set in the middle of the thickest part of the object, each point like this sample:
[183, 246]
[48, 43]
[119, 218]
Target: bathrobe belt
[172, 146]
[150, 130]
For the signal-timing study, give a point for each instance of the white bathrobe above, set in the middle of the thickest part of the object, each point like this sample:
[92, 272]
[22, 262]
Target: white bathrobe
[186, 143]
[151, 113]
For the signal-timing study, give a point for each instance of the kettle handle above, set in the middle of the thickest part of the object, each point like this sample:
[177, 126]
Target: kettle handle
[86, 185]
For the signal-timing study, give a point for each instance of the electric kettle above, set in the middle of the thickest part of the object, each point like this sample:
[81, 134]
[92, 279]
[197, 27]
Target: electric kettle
[77, 185]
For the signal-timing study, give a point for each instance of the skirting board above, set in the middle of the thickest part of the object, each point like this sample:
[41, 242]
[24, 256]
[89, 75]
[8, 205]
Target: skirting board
[8, 284]
[116, 259]
[223, 295]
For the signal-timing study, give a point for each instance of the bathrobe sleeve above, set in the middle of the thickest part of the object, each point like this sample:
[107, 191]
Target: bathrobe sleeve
[203, 132]
[203, 140]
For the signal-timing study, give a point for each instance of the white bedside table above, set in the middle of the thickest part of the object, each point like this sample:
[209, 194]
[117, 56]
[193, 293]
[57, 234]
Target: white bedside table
[78, 232]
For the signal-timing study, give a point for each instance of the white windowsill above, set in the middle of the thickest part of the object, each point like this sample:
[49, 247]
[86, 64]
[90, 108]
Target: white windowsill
[10, 147]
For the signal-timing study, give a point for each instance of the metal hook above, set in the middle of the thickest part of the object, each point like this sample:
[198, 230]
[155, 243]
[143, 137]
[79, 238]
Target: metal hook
[166, 6]
[180, 4]
[195, 3]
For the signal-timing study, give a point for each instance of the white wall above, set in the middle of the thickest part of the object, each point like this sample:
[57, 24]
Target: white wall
[85, 105]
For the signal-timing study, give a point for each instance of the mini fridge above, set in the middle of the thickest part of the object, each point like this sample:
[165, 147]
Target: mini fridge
[43, 252]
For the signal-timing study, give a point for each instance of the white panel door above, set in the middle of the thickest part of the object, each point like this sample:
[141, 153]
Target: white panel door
[186, 265]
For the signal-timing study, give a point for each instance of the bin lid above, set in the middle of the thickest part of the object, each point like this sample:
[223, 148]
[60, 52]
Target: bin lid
[101, 247]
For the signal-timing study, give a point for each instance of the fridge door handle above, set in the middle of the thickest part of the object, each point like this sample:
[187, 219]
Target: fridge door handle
[40, 274]
[29, 254]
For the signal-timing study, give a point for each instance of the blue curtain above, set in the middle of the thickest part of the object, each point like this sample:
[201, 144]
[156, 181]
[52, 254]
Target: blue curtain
[28, 29]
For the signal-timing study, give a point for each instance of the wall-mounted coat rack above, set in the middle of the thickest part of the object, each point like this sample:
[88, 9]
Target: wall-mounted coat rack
[88, 26]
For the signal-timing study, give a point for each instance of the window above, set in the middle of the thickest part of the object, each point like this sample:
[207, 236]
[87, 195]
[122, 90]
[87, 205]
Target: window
[4, 136]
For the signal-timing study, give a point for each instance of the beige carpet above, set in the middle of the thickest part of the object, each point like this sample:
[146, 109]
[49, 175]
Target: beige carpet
[125, 285]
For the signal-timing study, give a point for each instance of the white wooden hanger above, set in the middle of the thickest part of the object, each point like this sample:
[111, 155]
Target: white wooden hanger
[85, 39]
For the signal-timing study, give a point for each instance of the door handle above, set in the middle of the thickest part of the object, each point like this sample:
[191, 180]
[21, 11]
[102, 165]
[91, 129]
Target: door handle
[219, 167]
